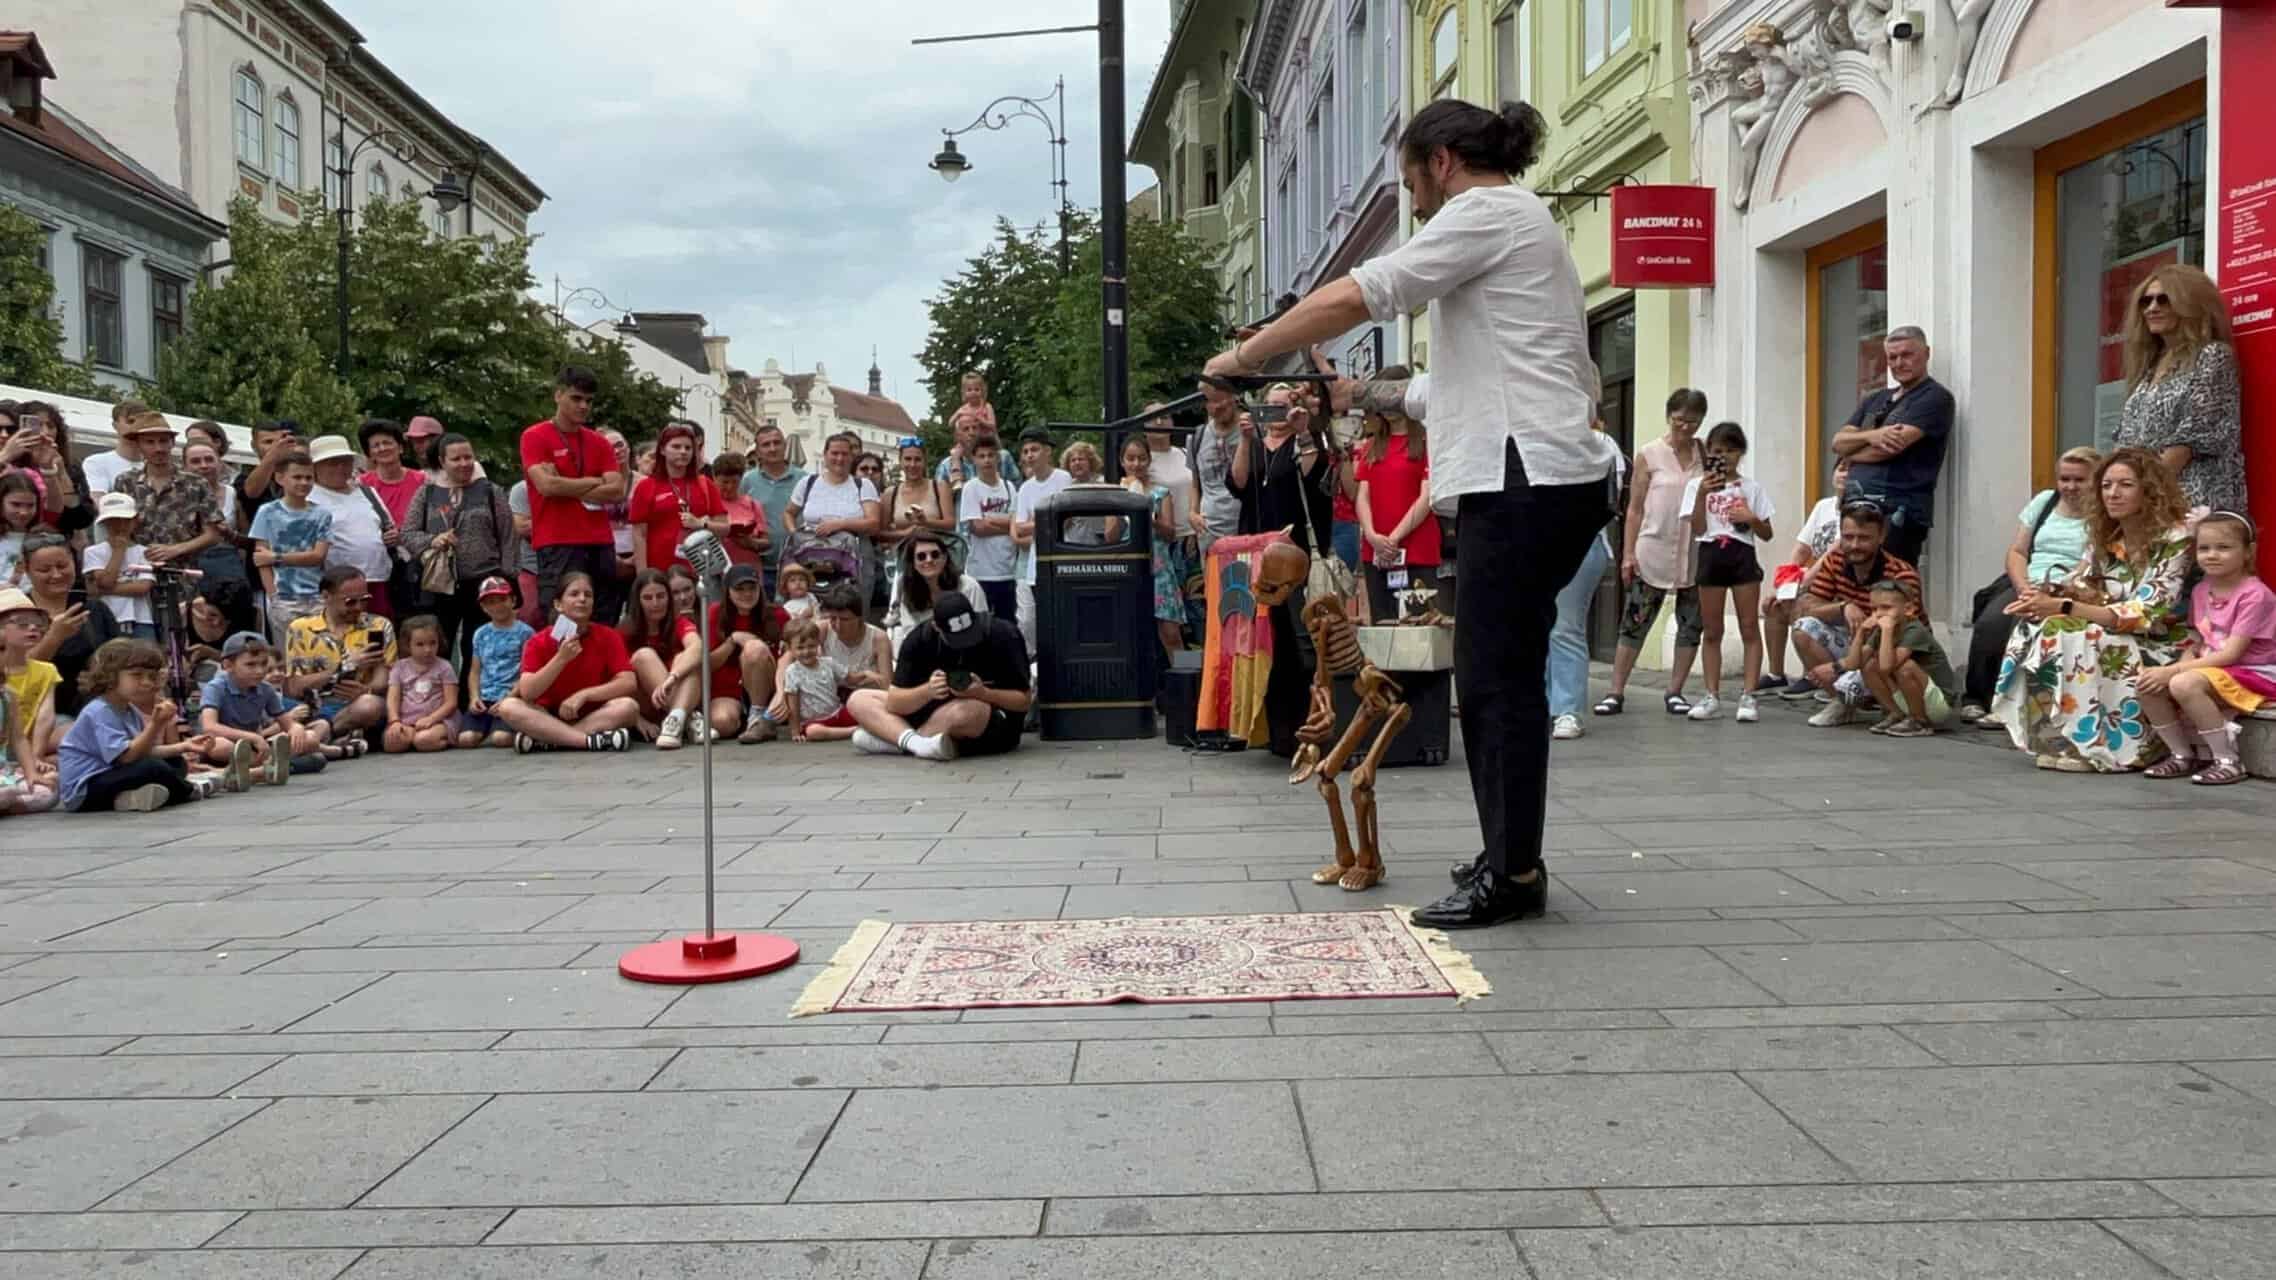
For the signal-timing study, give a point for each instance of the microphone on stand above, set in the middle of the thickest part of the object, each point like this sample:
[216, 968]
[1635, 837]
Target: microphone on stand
[709, 557]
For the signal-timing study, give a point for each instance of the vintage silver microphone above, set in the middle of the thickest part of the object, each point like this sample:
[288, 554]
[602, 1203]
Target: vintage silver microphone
[709, 557]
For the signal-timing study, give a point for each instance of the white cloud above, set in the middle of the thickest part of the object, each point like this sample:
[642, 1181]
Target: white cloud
[763, 161]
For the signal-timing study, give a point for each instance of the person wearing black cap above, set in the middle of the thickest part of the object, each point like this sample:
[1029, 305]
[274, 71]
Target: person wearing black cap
[960, 687]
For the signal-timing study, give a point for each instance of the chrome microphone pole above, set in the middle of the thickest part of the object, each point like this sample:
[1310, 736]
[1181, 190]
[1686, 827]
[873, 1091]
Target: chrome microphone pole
[709, 558]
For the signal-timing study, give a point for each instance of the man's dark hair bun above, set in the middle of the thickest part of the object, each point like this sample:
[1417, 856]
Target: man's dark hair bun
[1524, 130]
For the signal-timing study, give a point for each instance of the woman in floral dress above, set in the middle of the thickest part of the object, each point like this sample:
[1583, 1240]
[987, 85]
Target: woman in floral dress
[2067, 689]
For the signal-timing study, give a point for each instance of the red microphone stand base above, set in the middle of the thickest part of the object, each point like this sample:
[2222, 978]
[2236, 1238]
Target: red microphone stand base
[722, 957]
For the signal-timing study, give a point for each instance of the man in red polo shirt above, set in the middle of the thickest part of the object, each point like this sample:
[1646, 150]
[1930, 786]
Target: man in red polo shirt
[573, 474]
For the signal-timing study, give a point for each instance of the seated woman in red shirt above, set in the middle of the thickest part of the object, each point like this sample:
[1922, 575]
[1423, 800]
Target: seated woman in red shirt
[664, 651]
[746, 637]
[574, 694]
[1396, 528]
[672, 501]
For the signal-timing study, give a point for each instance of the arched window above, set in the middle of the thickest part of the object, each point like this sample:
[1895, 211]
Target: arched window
[252, 121]
[335, 159]
[1445, 48]
[375, 183]
[288, 142]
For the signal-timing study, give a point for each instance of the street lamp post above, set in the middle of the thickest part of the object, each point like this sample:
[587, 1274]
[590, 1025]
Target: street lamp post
[951, 164]
[448, 193]
[1114, 336]
[628, 323]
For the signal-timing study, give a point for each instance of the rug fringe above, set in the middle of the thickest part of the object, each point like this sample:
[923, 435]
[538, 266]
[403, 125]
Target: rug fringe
[829, 986]
[1460, 972]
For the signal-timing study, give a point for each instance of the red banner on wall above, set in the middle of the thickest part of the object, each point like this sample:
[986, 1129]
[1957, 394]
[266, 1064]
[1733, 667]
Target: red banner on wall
[2244, 121]
[1663, 237]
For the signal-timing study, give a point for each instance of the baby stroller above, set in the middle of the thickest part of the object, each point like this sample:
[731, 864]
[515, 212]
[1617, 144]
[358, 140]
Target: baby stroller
[832, 560]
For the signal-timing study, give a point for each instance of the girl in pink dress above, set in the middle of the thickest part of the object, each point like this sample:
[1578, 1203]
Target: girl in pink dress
[2227, 669]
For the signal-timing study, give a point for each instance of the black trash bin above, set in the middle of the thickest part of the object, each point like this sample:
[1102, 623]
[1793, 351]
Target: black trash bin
[1097, 653]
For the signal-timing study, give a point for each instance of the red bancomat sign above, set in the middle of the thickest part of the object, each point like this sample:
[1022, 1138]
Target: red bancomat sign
[2244, 239]
[1663, 237]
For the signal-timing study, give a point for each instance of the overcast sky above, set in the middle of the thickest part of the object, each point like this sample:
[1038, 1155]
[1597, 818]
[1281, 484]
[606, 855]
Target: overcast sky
[763, 161]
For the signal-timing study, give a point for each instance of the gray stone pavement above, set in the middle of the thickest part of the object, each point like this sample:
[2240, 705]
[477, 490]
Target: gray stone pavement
[1810, 1005]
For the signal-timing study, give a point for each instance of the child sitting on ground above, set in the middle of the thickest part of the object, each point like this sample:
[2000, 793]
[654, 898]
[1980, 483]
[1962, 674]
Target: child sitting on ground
[114, 757]
[239, 705]
[422, 691]
[809, 702]
[797, 585]
[2228, 667]
[22, 626]
[498, 646]
[26, 784]
[1901, 662]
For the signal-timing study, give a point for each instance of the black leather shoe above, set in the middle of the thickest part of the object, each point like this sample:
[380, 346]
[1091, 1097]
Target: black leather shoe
[1487, 900]
[1462, 873]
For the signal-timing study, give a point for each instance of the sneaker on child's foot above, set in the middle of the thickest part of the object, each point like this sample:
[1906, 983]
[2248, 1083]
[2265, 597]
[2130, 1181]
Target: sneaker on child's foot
[1709, 707]
[1911, 728]
[699, 729]
[206, 785]
[1797, 689]
[147, 798]
[279, 766]
[675, 724]
[1971, 712]
[1833, 713]
[932, 746]
[609, 740]
[1749, 710]
[758, 730]
[1887, 722]
[239, 775]
[524, 744]
[1566, 729]
[864, 740]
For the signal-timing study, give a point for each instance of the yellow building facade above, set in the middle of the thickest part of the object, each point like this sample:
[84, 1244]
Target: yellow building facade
[1611, 78]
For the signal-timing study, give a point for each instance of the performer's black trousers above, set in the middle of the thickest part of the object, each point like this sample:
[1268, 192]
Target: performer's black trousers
[1515, 550]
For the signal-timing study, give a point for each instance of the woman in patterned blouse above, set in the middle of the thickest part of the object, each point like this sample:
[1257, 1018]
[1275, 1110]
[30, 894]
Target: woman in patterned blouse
[2181, 379]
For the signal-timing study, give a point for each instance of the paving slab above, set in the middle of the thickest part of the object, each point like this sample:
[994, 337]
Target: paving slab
[1285, 1058]
[2255, 1078]
[2100, 1040]
[620, 1149]
[1574, 1131]
[79, 1231]
[2173, 964]
[1163, 1139]
[2099, 1121]
[867, 1067]
[204, 1264]
[1448, 1254]
[357, 1228]
[185, 1076]
[1872, 972]
[2228, 1249]
[496, 1000]
[1706, 1049]
[1883, 1202]
[1612, 978]
[299, 1153]
[406, 1073]
[188, 1005]
[1942, 1251]
[839, 1260]
[67, 1156]
[1326, 1211]
[851, 907]
[897, 1220]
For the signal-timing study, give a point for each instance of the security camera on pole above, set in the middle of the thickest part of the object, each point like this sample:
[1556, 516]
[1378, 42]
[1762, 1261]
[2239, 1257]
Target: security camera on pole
[710, 956]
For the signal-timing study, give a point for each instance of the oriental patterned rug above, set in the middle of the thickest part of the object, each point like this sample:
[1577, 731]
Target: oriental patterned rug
[984, 964]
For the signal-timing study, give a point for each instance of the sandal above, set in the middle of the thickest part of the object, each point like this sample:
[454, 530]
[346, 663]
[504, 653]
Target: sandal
[2220, 773]
[2172, 767]
[1612, 705]
[1676, 705]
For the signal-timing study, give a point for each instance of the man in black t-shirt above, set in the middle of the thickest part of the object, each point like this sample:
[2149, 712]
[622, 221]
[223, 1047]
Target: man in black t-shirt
[1895, 444]
[959, 688]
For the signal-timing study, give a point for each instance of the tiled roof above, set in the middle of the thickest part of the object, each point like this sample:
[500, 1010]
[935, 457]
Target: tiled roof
[678, 334]
[873, 411]
[84, 147]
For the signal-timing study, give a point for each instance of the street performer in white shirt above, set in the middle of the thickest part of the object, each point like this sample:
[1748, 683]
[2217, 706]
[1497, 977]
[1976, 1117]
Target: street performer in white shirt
[1511, 398]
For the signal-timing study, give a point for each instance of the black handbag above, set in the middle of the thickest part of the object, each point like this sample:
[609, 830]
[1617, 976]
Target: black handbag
[1992, 589]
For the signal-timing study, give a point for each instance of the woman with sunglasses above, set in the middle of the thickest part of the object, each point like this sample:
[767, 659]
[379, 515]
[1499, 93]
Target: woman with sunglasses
[927, 570]
[2182, 398]
[917, 500]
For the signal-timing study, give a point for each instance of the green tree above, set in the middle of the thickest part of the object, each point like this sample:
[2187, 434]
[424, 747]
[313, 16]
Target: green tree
[987, 317]
[246, 353]
[1035, 333]
[445, 327]
[31, 339]
[1175, 314]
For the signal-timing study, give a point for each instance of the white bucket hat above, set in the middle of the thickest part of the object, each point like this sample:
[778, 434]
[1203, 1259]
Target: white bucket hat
[116, 506]
[326, 448]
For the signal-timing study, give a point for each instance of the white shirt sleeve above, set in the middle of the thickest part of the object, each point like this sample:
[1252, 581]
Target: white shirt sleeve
[1418, 397]
[1456, 246]
[968, 503]
[1758, 501]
